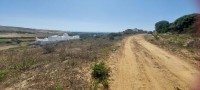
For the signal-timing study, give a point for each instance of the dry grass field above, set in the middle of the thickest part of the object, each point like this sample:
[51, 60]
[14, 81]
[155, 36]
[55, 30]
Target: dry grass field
[65, 65]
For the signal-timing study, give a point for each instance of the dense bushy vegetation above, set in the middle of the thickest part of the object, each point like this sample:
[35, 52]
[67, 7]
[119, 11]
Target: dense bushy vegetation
[133, 31]
[162, 26]
[184, 24]
[100, 71]
[112, 36]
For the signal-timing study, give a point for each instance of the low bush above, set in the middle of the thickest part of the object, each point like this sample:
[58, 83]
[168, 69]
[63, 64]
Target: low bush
[100, 74]
[49, 48]
[17, 41]
[100, 71]
[3, 74]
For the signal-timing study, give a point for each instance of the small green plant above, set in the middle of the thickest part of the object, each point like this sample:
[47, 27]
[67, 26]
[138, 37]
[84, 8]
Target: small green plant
[105, 83]
[25, 64]
[100, 74]
[3, 74]
[59, 88]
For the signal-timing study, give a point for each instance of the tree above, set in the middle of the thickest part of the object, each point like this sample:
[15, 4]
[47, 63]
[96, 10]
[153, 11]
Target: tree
[184, 24]
[162, 26]
[128, 31]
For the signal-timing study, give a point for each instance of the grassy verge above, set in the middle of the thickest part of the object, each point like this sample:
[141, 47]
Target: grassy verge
[184, 45]
[182, 41]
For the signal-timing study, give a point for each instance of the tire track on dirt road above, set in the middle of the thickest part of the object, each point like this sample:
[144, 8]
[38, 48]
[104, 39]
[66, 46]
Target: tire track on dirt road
[144, 66]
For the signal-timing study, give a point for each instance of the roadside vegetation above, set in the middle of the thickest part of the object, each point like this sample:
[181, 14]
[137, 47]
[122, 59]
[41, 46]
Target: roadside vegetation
[100, 75]
[184, 24]
[181, 37]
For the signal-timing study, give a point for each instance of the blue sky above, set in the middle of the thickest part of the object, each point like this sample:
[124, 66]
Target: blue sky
[92, 15]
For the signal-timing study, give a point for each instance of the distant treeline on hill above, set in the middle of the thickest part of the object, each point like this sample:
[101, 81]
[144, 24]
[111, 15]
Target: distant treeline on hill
[184, 24]
[127, 32]
[134, 31]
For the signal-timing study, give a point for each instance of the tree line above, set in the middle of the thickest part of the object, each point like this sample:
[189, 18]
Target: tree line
[184, 24]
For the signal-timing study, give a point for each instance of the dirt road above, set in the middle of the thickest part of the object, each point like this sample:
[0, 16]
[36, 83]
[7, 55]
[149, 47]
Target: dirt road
[144, 66]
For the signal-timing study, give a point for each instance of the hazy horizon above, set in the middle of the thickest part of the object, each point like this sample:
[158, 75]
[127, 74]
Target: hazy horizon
[92, 15]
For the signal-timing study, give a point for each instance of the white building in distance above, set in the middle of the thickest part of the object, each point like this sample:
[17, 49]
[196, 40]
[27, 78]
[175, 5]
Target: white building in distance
[55, 39]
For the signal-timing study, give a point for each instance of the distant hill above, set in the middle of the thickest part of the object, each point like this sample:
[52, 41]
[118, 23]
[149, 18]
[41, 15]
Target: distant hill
[21, 30]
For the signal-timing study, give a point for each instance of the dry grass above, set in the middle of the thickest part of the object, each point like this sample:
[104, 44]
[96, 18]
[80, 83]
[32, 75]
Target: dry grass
[175, 44]
[68, 66]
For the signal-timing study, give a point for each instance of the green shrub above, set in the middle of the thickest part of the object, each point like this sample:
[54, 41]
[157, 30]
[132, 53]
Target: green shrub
[3, 74]
[59, 88]
[100, 71]
[100, 74]
[162, 26]
[184, 24]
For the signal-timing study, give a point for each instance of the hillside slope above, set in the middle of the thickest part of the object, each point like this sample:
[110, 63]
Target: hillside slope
[11, 29]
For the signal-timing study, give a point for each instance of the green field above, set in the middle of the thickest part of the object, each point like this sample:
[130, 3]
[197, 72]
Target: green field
[5, 40]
